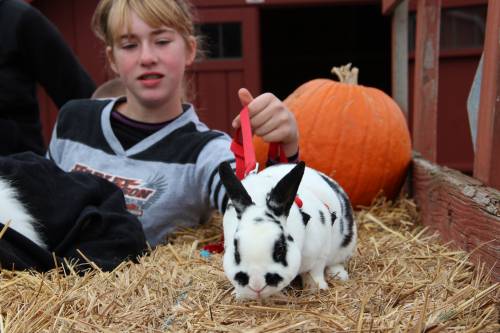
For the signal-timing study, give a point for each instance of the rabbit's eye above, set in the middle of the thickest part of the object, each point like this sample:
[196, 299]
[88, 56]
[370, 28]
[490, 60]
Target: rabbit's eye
[273, 279]
[242, 278]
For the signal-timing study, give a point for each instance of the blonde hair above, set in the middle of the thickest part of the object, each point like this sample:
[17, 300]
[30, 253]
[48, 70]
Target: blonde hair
[110, 15]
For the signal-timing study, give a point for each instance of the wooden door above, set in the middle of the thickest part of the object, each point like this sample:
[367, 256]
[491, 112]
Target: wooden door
[231, 62]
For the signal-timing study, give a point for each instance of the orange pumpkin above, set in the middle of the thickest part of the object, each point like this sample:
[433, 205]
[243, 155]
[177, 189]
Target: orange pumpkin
[357, 135]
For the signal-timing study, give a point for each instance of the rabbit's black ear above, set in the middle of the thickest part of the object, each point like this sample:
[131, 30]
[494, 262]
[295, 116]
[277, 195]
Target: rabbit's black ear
[234, 188]
[281, 197]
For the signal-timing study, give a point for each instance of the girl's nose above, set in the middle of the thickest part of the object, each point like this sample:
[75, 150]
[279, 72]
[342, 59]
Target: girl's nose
[148, 56]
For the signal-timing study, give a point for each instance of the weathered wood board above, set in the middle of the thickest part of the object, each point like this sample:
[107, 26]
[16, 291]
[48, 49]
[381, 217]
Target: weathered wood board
[461, 208]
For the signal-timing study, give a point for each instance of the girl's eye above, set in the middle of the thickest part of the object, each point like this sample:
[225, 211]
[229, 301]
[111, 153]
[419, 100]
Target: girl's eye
[128, 46]
[162, 42]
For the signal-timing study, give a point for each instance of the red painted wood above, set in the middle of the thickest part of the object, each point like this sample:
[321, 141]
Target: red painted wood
[90, 50]
[213, 99]
[251, 50]
[216, 65]
[234, 83]
[217, 80]
[487, 159]
[452, 3]
[399, 55]
[454, 144]
[465, 212]
[228, 3]
[389, 5]
[59, 12]
[453, 134]
[425, 97]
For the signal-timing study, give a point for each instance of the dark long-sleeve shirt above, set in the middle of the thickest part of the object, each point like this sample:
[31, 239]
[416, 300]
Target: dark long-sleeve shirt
[33, 51]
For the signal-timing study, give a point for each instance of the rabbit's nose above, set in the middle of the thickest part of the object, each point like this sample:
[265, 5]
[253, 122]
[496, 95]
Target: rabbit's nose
[257, 291]
[257, 284]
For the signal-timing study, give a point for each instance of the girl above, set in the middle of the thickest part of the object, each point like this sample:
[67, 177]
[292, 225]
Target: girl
[148, 142]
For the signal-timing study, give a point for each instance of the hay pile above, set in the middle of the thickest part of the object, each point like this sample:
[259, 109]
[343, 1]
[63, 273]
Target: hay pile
[402, 280]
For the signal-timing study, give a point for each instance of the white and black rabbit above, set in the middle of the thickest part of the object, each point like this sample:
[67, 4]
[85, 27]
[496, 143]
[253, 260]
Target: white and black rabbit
[269, 239]
[12, 211]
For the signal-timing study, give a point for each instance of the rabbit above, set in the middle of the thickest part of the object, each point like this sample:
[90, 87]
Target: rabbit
[12, 211]
[269, 239]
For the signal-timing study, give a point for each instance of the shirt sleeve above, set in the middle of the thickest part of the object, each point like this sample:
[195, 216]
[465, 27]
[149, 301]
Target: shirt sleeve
[55, 147]
[50, 59]
[207, 167]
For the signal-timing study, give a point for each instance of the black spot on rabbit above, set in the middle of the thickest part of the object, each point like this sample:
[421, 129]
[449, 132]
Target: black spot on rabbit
[237, 257]
[333, 216]
[280, 250]
[305, 217]
[242, 278]
[322, 217]
[273, 279]
[349, 219]
[272, 218]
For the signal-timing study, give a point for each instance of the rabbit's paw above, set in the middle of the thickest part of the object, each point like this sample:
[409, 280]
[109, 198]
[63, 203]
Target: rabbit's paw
[339, 272]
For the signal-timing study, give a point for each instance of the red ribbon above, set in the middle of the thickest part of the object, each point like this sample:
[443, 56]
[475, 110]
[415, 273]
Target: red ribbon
[242, 146]
[277, 153]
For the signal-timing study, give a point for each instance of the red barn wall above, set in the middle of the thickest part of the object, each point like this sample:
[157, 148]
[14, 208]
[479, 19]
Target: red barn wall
[216, 83]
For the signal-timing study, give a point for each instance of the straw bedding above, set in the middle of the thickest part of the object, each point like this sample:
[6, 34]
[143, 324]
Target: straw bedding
[401, 280]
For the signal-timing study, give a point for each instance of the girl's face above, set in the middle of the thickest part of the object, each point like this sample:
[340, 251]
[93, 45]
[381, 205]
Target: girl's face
[151, 63]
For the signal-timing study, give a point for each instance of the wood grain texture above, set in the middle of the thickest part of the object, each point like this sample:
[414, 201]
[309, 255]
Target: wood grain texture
[389, 5]
[487, 159]
[425, 94]
[462, 209]
[399, 63]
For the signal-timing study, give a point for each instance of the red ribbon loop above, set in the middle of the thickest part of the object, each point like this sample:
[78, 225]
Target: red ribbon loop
[242, 146]
[244, 152]
[277, 153]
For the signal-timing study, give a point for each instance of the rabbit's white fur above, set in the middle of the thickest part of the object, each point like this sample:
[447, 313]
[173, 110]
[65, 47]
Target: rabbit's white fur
[312, 247]
[11, 209]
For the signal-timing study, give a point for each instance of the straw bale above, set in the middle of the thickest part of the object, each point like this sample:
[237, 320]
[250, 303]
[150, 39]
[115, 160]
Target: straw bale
[402, 279]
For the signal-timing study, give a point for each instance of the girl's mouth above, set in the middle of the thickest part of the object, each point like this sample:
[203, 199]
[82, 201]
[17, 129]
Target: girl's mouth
[150, 80]
[150, 76]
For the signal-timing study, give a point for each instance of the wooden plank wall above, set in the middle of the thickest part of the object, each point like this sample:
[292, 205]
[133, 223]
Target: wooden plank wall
[487, 159]
[464, 210]
[425, 97]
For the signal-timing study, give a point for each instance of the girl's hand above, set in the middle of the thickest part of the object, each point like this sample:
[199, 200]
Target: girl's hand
[271, 120]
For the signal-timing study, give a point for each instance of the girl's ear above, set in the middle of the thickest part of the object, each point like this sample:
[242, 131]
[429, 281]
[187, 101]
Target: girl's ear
[191, 48]
[111, 59]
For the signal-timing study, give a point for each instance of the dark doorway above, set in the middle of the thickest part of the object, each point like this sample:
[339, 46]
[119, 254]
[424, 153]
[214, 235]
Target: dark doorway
[303, 43]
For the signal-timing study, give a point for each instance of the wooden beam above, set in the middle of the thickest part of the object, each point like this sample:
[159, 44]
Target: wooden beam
[389, 5]
[230, 3]
[400, 55]
[425, 95]
[487, 158]
[461, 209]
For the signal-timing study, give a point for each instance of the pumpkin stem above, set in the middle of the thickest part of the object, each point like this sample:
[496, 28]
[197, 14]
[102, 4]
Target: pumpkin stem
[346, 74]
